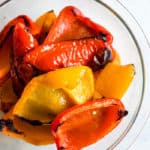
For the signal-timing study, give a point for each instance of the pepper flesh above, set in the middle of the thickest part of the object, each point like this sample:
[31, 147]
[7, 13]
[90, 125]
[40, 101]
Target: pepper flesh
[73, 131]
[5, 59]
[18, 128]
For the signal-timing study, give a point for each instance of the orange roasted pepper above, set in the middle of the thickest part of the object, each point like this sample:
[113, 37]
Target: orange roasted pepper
[82, 125]
[23, 40]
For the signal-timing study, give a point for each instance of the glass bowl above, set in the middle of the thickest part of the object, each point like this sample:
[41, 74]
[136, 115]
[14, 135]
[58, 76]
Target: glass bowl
[132, 46]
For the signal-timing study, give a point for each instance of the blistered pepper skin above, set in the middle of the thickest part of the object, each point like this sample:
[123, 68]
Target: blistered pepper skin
[65, 54]
[23, 40]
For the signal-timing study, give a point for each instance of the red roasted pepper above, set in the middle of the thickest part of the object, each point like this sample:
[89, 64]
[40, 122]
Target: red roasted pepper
[7, 30]
[72, 40]
[85, 124]
[71, 24]
[69, 53]
[6, 42]
[23, 40]
[21, 72]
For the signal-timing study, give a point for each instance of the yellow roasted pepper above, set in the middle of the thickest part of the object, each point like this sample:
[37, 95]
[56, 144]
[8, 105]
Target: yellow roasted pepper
[51, 93]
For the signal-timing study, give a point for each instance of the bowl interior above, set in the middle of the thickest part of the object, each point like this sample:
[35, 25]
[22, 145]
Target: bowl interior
[124, 42]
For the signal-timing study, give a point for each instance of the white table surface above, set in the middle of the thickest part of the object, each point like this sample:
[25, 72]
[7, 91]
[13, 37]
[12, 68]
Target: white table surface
[141, 11]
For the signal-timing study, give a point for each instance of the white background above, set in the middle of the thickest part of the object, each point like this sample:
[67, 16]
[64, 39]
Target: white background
[141, 11]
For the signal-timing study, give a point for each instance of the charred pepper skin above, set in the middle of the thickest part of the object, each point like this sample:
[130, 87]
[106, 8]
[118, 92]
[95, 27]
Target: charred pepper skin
[68, 53]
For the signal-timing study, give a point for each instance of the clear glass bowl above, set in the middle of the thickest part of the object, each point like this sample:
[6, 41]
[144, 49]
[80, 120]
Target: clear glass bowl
[132, 46]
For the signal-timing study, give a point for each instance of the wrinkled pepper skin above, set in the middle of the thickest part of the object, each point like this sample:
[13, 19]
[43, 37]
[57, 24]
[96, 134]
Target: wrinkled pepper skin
[68, 53]
[6, 43]
[23, 41]
[72, 24]
[8, 29]
[85, 124]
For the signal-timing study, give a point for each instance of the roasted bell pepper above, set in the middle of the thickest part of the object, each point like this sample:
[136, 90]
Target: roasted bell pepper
[114, 80]
[69, 53]
[23, 40]
[45, 21]
[20, 128]
[47, 95]
[32, 27]
[82, 125]
[7, 96]
[72, 24]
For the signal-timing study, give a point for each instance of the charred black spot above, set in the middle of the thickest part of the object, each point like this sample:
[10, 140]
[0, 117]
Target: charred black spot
[122, 113]
[107, 56]
[32, 122]
[73, 12]
[102, 36]
[62, 148]
[9, 124]
[50, 11]
[101, 58]
[26, 21]
[2, 124]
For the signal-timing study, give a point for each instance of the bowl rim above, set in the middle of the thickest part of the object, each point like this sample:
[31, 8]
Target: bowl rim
[139, 110]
